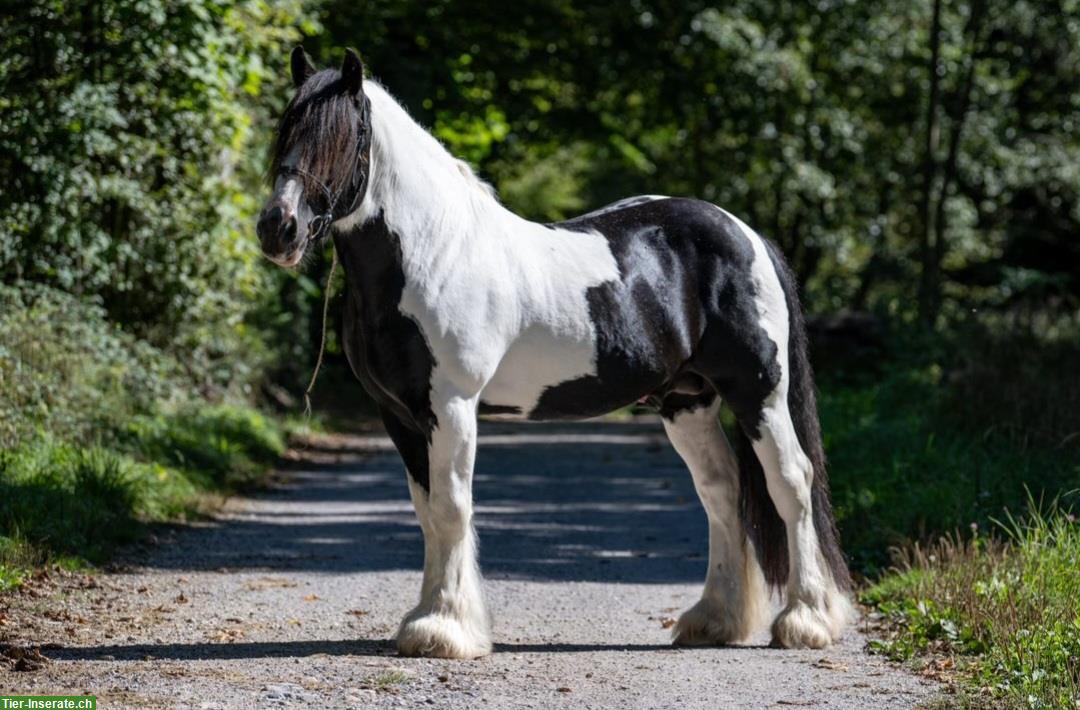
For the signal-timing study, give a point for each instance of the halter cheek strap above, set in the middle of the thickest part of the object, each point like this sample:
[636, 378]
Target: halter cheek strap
[318, 225]
[319, 222]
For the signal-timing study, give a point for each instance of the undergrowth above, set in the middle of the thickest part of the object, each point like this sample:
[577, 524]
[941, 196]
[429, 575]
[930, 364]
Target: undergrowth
[924, 442]
[71, 504]
[101, 433]
[1007, 607]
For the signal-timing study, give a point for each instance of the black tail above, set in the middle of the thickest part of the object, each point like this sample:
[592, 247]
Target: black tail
[763, 524]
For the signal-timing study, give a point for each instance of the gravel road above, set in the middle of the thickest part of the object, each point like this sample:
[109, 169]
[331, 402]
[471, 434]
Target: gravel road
[592, 542]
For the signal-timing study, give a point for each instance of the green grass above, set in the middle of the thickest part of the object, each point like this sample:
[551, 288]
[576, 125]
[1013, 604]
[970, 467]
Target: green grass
[62, 502]
[904, 467]
[1007, 607]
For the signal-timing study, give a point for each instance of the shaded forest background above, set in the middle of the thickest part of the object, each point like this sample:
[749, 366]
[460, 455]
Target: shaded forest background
[917, 163]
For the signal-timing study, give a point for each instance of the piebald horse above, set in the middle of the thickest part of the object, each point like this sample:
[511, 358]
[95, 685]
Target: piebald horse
[456, 307]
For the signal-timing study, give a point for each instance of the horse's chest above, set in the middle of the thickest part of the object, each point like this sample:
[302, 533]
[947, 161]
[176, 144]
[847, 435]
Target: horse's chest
[386, 349]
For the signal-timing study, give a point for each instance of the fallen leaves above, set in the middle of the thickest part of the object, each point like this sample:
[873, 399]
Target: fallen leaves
[23, 659]
[312, 597]
[228, 635]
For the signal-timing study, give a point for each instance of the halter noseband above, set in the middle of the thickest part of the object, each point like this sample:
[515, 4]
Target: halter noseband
[318, 224]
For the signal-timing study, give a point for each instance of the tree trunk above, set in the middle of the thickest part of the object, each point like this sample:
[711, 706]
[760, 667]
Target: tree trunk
[929, 277]
[959, 120]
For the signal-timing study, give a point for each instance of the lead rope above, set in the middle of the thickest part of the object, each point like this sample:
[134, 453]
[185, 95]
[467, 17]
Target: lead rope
[322, 340]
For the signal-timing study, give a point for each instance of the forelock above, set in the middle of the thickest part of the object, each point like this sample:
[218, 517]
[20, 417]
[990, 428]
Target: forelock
[320, 125]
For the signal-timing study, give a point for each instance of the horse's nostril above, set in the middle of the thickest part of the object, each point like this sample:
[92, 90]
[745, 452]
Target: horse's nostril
[269, 223]
[288, 231]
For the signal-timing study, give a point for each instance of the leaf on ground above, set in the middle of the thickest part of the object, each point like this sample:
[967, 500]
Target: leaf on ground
[257, 585]
[830, 665]
[357, 612]
[24, 659]
[228, 635]
[312, 598]
[666, 622]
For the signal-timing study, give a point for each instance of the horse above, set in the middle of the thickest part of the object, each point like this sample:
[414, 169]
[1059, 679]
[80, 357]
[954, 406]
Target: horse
[455, 307]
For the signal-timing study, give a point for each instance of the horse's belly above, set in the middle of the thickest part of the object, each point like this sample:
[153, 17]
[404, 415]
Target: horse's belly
[544, 376]
[539, 359]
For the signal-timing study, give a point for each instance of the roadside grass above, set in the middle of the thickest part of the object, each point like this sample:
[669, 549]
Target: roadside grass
[941, 436]
[924, 445]
[102, 433]
[1007, 608]
[72, 504]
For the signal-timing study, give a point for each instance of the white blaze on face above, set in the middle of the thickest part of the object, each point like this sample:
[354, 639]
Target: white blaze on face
[288, 195]
[289, 190]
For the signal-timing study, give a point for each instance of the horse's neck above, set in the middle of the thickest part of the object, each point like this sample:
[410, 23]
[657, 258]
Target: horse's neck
[432, 202]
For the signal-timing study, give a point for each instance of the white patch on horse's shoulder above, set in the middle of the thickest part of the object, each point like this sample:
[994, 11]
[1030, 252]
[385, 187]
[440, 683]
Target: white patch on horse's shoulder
[556, 342]
[501, 301]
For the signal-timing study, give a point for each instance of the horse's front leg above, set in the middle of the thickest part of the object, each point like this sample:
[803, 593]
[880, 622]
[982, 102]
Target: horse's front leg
[450, 621]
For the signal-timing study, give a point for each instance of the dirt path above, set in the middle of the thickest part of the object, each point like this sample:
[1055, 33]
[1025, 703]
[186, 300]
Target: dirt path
[591, 541]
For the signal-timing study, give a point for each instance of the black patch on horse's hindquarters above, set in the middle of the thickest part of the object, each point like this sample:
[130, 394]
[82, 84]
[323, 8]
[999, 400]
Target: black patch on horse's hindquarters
[496, 409]
[684, 306]
[385, 348]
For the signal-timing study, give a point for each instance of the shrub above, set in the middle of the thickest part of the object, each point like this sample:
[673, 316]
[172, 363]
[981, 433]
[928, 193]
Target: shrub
[65, 369]
[130, 135]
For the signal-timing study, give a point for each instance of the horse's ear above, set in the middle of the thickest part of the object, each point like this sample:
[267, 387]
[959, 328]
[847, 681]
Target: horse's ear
[352, 72]
[302, 67]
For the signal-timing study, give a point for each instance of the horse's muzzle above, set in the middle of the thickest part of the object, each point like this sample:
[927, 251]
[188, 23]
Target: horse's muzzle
[278, 232]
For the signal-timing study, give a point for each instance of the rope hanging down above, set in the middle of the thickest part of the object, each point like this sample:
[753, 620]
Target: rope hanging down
[322, 339]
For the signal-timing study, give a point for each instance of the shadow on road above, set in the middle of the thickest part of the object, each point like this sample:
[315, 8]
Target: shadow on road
[594, 501]
[301, 649]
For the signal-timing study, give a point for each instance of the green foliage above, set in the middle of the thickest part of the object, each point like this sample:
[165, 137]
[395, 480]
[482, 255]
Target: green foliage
[1013, 606]
[63, 501]
[230, 445]
[807, 119]
[948, 432]
[65, 369]
[131, 139]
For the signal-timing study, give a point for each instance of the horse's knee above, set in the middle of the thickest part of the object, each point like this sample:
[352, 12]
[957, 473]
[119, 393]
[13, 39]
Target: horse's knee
[449, 520]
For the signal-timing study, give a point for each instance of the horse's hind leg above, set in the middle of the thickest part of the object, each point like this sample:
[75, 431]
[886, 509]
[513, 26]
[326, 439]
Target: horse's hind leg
[816, 611]
[734, 602]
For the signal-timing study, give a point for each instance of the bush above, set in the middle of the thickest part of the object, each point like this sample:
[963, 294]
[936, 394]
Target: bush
[923, 447]
[65, 369]
[130, 135]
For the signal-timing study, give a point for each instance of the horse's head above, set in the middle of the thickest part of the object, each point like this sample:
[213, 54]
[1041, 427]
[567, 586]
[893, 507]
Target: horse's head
[321, 158]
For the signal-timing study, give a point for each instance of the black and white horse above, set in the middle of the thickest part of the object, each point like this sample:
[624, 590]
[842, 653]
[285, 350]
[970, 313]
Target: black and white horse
[457, 307]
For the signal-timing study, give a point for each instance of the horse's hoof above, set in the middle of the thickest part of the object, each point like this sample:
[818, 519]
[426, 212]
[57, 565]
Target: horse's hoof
[439, 636]
[803, 626]
[706, 624]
